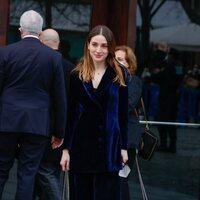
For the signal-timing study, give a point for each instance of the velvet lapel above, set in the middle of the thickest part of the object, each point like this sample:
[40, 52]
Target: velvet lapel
[106, 80]
[89, 90]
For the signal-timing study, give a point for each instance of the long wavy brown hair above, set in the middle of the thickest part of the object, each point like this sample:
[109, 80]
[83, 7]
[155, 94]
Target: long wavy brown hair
[85, 66]
[129, 57]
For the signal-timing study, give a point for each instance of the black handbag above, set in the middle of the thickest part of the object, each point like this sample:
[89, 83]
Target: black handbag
[149, 139]
[150, 142]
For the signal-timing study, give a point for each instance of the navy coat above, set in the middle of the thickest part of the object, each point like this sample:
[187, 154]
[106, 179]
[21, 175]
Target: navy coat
[31, 86]
[135, 129]
[97, 126]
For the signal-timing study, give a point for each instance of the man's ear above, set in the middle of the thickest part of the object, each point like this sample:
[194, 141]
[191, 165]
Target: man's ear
[40, 37]
[40, 33]
[20, 29]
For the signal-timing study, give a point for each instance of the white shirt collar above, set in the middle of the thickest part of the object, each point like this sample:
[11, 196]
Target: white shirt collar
[33, 36]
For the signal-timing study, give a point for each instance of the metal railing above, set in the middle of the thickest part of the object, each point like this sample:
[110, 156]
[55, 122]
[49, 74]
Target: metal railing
[170, 123]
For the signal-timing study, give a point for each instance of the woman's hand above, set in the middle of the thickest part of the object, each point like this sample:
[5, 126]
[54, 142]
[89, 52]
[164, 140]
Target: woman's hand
[65, 160]
[124, 155]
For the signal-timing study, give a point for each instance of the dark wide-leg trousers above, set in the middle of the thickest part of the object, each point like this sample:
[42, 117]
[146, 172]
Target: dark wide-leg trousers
[125, 190]
[94, 186]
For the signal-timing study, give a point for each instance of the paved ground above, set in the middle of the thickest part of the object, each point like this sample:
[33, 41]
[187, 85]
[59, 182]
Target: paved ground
[166, 176]
[172, 176]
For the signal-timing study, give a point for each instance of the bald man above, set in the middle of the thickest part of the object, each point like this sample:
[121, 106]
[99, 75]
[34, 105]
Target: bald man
[50, 38]
[48, 183]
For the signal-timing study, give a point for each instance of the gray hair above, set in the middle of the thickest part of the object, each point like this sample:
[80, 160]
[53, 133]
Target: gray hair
[31, 22]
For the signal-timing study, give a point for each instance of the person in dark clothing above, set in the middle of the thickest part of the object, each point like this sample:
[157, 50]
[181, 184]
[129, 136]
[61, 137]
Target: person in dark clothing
[167, 100]
[127, 58]
[48, 179]
[31, 87]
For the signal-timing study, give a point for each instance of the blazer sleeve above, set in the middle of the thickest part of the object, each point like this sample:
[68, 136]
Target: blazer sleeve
[71, 114]
[135, 92]
[60, 100]
[123, 116]
[1, 70]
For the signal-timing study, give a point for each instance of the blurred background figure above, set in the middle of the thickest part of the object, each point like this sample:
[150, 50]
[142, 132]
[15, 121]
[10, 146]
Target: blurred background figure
[164, 61]
[191, 94]
[126, 57]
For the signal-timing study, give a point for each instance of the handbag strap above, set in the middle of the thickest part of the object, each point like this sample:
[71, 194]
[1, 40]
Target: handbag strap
[145, 115]
[144, 112]
[65, 188]
[144, 194]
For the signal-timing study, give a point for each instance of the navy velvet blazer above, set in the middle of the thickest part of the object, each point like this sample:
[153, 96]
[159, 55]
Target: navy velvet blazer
[31, 87]
[97, 124]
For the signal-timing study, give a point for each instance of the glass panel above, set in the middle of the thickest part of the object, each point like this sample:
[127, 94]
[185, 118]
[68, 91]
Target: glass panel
[70, 18]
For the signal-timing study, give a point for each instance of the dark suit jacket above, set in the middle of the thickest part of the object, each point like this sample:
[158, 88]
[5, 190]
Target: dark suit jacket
[97, 124]
[54, 155]
[31, 87]
[134, 128]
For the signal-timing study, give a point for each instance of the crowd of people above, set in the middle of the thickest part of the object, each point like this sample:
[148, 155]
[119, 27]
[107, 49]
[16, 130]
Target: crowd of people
[83, 118]
[171, 93]
[187, 82]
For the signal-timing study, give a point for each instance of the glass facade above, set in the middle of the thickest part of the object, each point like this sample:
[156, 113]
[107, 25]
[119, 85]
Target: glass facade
[70, 18]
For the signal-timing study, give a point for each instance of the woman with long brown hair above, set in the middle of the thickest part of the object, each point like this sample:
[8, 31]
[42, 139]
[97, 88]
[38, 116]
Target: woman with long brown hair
[97, 121]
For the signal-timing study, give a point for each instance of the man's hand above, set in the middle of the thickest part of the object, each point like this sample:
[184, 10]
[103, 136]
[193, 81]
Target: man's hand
[65, 160]
[56, 142]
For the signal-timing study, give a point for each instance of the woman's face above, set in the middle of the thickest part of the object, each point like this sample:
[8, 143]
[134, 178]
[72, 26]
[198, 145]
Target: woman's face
[121, 57]
[98, 48]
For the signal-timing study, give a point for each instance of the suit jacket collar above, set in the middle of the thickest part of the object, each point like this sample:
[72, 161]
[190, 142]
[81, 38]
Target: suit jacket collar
[30, 39]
